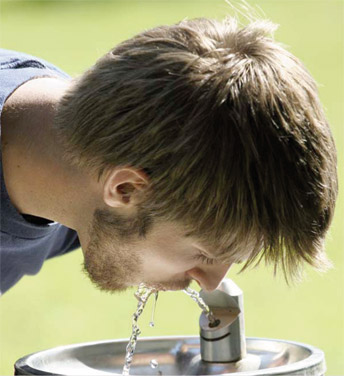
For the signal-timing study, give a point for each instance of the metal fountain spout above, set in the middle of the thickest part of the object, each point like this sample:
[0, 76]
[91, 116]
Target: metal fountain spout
[224, 342]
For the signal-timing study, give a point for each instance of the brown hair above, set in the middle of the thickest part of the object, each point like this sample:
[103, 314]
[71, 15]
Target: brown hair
[229, 127]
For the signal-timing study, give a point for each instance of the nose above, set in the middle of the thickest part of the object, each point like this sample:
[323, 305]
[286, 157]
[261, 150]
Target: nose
[209, 276]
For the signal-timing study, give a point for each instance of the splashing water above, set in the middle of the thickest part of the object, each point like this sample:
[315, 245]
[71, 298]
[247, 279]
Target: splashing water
[213, 321]
[142, 294]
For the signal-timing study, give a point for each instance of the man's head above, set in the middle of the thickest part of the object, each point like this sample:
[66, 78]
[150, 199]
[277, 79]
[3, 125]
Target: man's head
[220, 134]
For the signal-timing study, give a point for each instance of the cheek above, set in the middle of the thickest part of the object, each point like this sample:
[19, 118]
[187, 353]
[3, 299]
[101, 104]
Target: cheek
[166, 250]
[169, 260]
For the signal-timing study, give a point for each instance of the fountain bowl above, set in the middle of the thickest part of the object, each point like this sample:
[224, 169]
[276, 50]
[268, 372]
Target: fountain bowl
[175, 355]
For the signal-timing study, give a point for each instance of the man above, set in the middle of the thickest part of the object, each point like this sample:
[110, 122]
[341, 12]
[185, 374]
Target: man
[180, 152]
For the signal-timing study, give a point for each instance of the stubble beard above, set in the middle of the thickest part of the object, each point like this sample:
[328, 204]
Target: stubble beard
[111, 261]
[170, 285]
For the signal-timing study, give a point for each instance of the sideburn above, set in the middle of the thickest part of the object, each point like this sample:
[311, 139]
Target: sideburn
[124, 227]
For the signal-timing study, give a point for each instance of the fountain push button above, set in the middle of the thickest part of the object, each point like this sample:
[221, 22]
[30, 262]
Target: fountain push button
[224, 342]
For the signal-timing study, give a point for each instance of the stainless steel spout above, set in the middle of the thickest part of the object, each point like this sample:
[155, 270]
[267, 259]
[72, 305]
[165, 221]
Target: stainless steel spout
[226, 341]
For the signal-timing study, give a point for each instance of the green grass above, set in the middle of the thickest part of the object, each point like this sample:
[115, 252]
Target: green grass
[60, 306]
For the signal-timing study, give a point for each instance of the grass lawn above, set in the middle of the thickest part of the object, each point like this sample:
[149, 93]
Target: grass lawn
[60, 306]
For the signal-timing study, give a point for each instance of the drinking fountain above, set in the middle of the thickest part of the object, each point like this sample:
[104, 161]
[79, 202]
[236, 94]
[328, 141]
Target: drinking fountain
[220, 349]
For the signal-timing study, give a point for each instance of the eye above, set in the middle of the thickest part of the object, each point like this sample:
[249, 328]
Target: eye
[204, 259]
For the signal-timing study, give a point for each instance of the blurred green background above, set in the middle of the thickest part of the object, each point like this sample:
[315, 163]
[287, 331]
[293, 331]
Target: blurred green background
[60, 306]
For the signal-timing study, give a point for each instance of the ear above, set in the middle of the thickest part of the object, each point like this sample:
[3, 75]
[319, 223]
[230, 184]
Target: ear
[123, 185]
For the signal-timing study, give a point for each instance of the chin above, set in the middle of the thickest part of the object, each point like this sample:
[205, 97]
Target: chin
[170, 285]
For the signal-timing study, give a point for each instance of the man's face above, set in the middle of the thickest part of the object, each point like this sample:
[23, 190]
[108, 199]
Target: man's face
[117, 256]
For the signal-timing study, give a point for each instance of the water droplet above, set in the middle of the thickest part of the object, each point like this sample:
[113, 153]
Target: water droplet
[151, 324]
[154, 363]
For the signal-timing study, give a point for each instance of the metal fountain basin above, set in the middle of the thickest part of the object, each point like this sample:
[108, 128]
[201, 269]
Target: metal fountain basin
[176, 356]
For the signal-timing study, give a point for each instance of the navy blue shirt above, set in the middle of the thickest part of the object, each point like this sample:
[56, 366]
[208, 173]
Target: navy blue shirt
[25, 244]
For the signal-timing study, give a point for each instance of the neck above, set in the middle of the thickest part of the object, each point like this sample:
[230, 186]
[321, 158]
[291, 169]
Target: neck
[38, 180]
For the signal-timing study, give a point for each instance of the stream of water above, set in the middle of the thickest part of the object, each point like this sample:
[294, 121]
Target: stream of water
[195, 296]
[142, 294]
